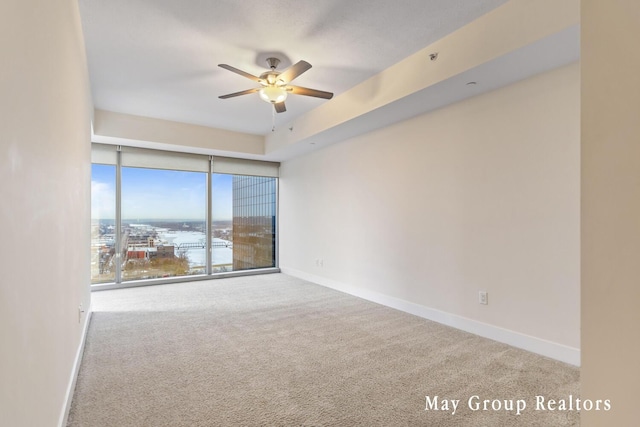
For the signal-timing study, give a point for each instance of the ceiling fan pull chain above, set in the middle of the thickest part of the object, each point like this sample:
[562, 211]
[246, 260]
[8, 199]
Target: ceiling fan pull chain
[273, 119]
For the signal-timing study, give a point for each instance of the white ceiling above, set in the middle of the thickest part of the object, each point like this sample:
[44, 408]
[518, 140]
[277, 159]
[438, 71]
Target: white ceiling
[158, 58]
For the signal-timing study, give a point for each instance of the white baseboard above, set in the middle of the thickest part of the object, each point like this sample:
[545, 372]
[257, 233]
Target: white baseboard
[540, 346]
[64, 416]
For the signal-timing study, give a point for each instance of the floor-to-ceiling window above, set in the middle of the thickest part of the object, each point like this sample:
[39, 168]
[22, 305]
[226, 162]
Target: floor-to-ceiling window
[254, 215]
[243, 222]
[163, 227]
[160, 215]
[103, 214]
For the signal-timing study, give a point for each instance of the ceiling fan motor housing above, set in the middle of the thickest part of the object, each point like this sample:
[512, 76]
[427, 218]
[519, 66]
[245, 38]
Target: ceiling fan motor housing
[270, 78]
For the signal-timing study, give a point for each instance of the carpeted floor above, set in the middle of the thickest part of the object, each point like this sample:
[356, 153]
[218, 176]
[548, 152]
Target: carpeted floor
[274, 350]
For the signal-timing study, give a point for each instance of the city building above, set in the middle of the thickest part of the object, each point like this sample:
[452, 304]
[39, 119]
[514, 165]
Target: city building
[161, 251]
[254, 222]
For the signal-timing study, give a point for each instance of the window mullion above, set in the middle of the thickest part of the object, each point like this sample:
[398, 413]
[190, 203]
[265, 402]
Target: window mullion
[118, 224]
[209, 225]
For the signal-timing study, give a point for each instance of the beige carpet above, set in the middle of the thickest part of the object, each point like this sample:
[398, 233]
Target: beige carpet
[274, 350]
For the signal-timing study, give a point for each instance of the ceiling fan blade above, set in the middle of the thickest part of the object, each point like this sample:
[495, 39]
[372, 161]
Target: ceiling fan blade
[242, 73]
[244, 92]
[298, 90]
[280, 108]
[294, 71]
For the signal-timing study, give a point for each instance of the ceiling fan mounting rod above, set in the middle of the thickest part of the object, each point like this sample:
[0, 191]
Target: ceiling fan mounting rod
[273, 62]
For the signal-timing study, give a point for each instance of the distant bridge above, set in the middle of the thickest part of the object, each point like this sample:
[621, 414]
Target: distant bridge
[202, 245]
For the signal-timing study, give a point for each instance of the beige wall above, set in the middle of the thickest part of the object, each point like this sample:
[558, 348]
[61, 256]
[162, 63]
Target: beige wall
[44, 206]
[611, 209]
[480, 195]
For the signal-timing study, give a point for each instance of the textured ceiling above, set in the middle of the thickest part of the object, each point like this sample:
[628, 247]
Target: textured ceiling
[158, 58]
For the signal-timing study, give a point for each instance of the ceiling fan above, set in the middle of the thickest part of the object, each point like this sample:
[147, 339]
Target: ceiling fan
[275, 84]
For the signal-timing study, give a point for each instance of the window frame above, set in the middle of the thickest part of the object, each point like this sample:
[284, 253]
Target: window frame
[126, 156]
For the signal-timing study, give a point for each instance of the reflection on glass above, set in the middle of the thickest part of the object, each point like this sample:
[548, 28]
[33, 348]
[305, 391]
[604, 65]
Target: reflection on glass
[163, 223]
[103, 204]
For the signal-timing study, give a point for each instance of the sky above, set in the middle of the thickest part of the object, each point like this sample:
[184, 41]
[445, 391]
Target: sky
[159, 194]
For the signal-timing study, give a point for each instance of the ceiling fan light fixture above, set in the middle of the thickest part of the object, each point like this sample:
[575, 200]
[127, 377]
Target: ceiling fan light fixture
[273, 94]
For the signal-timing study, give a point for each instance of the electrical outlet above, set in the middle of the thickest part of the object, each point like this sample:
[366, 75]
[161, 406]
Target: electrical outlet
[483, 297]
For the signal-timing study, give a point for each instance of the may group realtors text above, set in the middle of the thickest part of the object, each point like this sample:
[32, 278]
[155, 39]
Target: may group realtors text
[541, 403]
